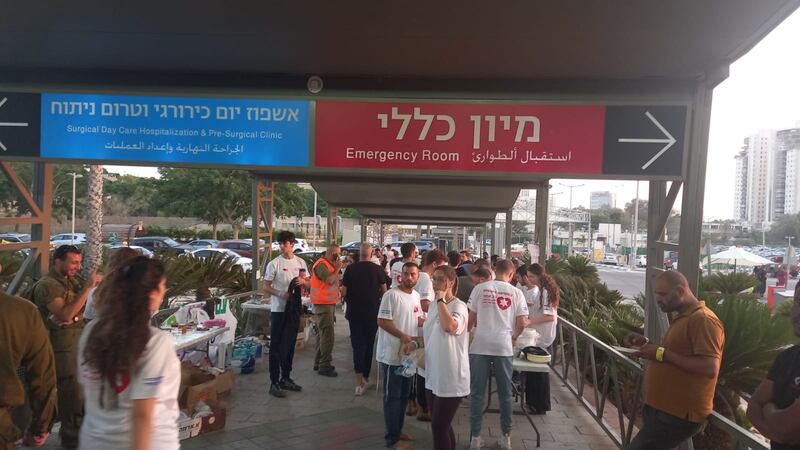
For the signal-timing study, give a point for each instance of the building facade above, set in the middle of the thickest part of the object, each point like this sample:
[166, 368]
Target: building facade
[740, 186]
[601, 199]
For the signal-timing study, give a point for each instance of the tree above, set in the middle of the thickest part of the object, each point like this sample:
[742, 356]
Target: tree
[94, 237]
[132, 196]
[290, 200]
[607, 215]
[322, 207]
[786, 225]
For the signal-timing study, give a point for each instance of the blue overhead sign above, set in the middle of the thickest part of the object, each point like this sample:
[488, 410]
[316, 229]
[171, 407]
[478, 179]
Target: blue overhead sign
[175, 130]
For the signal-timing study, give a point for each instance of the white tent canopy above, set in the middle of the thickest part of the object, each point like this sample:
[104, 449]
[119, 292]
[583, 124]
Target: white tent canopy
[738, 257]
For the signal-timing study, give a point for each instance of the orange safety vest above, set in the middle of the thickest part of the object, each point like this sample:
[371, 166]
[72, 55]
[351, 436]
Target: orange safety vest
[323, 293]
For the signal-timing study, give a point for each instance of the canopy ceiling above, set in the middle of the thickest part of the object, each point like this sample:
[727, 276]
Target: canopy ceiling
[470, 39]
[425, 203]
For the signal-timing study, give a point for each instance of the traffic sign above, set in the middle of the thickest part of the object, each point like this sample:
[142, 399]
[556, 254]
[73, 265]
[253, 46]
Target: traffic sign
[19, 124]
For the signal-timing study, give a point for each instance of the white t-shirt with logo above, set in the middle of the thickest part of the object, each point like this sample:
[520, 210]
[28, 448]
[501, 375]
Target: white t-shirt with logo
[109, 427]
[281, 271]
[497, 305]
[403, 310]
[546, 330]
[446, 357]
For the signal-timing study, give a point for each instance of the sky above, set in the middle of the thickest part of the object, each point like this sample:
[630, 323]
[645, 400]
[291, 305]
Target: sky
[762, 92]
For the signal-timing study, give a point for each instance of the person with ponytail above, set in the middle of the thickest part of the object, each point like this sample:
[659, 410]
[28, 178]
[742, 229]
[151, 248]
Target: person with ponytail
[543, 318]
[129, 370]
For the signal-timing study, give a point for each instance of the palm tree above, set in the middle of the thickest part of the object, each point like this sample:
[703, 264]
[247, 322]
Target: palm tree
[94, 236]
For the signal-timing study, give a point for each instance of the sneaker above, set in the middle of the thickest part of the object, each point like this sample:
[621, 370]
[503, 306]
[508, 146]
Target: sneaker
[475, 443]
[359, 391]
[289, 385]
[505, 442]
[276, 391]
[328, 372]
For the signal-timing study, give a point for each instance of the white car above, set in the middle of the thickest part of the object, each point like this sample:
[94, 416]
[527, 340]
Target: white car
[641, 261]
[140, 250]
[58, 240]
[610, 258]
[245, 263]
[300, 245]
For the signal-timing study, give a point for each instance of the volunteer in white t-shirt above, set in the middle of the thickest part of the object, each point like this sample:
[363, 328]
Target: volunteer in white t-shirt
[399, 317]
[129, 370]
[280, 272]
[543, 318]
[499, 313]
[409, 253]
[446, 359]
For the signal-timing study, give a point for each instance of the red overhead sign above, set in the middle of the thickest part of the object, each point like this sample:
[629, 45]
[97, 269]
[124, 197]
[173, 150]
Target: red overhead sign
[460, 137]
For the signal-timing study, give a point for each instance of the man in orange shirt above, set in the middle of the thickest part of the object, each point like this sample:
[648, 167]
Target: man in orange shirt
[682, 373]
[324, 297]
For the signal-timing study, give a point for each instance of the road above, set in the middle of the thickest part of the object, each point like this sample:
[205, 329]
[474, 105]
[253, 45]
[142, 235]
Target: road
[630, 282]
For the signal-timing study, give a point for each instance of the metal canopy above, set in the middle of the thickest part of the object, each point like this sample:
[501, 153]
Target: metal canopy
[417, 200]
[574, 39]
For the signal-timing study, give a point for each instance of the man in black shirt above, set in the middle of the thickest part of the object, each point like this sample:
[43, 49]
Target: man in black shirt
[364, 284]
[774, 408]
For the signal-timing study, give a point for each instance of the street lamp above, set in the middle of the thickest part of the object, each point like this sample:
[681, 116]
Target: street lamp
[571, 223]
[75, 176]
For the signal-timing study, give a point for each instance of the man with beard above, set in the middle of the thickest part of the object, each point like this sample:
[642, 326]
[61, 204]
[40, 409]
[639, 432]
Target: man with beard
[774, 407]
[61, 296]
[682, 374]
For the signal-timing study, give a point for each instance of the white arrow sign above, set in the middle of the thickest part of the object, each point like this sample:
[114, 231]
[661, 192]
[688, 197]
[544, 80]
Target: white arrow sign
[670, 141]
[9, 124]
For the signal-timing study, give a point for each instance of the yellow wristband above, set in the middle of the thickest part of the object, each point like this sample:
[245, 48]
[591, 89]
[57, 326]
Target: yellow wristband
[660, 354]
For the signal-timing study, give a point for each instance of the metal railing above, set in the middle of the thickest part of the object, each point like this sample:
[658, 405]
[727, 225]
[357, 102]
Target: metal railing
[575, 363]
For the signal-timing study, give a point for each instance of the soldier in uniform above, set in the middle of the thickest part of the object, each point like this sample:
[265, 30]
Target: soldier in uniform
[61, 296]
[24, 344]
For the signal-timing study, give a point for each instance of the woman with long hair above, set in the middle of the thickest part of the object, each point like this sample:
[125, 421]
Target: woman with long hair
[543, 318]
[117, 260]
[129, 370]
[445, 339]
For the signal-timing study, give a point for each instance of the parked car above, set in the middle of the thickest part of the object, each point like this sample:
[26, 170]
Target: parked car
[244, 247]
[15, 238]
[424, 246]
[58, 240]
[300, 245]
[245, 263]
[159, 244]
[140, 250]
[610, 258]
[201, 243]
[641, 261]
[355, 247]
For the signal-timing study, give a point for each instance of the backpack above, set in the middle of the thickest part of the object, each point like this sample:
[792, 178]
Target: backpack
[27, 292]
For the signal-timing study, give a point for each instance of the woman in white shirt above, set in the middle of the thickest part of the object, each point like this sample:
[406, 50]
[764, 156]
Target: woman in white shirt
[543, 318]
[446, 340]
[129, 370]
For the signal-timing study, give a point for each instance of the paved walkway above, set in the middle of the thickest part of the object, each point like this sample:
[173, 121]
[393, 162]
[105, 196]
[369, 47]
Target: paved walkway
[326, 414]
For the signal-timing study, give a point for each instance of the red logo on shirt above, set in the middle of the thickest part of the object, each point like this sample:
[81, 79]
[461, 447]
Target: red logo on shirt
[123, 380]
[503, 303]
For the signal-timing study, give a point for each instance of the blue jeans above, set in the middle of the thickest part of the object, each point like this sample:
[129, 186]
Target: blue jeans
[395, 397]
[479, 367]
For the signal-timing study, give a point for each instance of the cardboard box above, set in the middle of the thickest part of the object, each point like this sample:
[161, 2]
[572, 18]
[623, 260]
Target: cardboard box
[224, 382]
[196, 386]
[216, 421]
[189, 428]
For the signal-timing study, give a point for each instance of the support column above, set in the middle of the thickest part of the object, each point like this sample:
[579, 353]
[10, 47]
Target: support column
[263, 197]
[364, 222]
[509, 229]
[381, 243]
[541, 235]
[40, 232]
[694, 187]
[333, 229]
[493, 247]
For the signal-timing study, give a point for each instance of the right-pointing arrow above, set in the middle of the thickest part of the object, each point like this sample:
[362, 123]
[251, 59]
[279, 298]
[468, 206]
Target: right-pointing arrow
[9, 124]
[670, 141]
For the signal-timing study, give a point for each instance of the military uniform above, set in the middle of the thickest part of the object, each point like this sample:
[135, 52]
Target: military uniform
[24, 344]
[64, 339]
